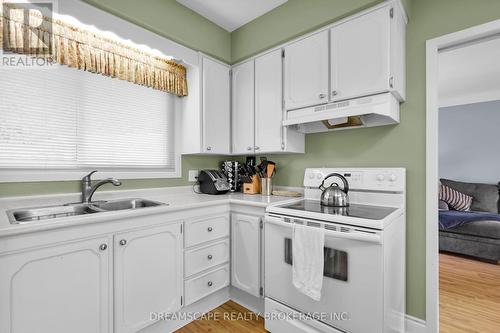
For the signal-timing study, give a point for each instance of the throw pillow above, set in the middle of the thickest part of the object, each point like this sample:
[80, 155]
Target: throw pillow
[455, 199]
[443, 205]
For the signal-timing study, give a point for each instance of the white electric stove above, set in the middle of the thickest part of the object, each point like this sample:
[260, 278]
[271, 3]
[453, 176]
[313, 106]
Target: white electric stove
[364, 276]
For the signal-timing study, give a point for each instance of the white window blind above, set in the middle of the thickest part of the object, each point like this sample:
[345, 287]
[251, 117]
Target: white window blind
[37, 119]
[63, 118]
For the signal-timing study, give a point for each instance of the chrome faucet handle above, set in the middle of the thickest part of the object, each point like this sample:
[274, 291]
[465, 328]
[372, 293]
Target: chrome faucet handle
[88, 177]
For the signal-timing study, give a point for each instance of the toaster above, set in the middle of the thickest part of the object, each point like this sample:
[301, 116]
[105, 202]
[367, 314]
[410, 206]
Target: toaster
[213, 182]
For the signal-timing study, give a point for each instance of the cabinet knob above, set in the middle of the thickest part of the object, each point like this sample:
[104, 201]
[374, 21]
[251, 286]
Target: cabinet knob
[123, 242]
[256, 147]
[321, 96]
[249, 148]
[209, 148]
[210, 283]
[210, 257]
[210, 229]
[103, 247]
[335, 93]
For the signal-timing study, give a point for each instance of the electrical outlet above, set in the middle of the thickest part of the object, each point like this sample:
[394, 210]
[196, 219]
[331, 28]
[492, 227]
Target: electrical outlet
[193, 175]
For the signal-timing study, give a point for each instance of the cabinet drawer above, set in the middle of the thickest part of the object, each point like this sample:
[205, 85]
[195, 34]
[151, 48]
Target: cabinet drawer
[202, 286]
[206, 229]
[200, 259]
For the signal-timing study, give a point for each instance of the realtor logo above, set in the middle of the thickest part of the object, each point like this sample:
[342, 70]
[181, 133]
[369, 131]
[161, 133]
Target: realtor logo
[26, 33]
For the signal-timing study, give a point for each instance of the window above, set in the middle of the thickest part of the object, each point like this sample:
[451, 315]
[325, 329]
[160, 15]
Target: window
[62, 122]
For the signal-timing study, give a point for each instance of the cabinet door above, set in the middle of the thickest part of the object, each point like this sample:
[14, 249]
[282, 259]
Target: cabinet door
[148, 275]
[306, 72]
[268, 102]
[245, 253]
[216, 110]
[360, 55]
[243, 108]
[57, 289]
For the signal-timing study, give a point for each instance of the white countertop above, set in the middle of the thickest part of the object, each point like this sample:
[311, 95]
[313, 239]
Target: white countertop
[177, 198]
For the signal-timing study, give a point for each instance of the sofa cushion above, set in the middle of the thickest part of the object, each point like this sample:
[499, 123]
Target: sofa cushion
[485, 196]
[488, 229]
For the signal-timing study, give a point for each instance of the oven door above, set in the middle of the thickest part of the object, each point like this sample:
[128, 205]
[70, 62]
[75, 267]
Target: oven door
[352, 292]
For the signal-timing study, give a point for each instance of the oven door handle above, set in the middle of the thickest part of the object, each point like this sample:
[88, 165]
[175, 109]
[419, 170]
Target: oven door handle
[354, 234]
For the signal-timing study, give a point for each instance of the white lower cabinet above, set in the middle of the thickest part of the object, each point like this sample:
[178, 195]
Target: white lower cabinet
[207, 283]
[112, 283]
[206, 256]
[202, 258]
[246, 253]
[148, 275]
[206, 229]
[59, 288]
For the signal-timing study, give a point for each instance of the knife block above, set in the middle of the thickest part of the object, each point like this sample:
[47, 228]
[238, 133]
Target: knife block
[253, 187]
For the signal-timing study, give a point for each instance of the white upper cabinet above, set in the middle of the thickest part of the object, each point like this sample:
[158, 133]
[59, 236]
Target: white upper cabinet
[360, 56]
[243, 108]
[306, 71]
[257, 108]
[148, 275]
[269, 103]
[216, 109]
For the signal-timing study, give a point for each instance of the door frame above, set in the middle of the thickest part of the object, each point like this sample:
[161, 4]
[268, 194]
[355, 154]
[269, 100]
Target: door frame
[433, 47]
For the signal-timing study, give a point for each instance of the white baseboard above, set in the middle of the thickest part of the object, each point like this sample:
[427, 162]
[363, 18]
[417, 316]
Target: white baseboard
[415, 325]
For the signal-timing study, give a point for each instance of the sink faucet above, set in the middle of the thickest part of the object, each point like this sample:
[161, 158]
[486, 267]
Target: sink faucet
[88, 189]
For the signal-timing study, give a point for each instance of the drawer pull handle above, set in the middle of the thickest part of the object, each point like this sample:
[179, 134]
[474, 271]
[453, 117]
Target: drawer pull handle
[210, 229]
[209, 257]
[210, 283]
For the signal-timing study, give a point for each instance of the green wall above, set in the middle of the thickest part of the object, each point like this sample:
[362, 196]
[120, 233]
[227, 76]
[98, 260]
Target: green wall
[393, 146]
[170, 19]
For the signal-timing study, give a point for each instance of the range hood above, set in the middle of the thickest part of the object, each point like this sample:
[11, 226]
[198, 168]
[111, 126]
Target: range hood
[376, 110]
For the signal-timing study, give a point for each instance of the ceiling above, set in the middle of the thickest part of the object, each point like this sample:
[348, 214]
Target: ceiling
[231, 14]
[470, 73]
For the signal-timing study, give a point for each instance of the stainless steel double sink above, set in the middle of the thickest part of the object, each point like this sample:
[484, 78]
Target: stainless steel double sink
[36, 214]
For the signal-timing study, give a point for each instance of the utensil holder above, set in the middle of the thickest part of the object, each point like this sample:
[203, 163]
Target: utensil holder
[266, 186]
[253, 187]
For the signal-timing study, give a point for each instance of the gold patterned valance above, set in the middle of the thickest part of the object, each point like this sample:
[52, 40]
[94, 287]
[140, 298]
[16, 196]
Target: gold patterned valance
[80, 48]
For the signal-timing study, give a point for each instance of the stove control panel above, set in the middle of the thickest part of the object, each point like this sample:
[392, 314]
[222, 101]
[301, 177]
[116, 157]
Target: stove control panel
[368, 179]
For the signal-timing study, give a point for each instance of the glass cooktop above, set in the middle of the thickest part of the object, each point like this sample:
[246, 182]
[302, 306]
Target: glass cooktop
[354, 210]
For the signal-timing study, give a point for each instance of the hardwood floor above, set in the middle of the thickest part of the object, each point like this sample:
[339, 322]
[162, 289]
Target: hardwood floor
[469, 295]
[230, 317]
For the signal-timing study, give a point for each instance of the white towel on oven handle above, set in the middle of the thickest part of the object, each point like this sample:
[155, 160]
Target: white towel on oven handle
[308, 259]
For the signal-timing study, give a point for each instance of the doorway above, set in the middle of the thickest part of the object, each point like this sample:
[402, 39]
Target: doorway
[462, 92]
